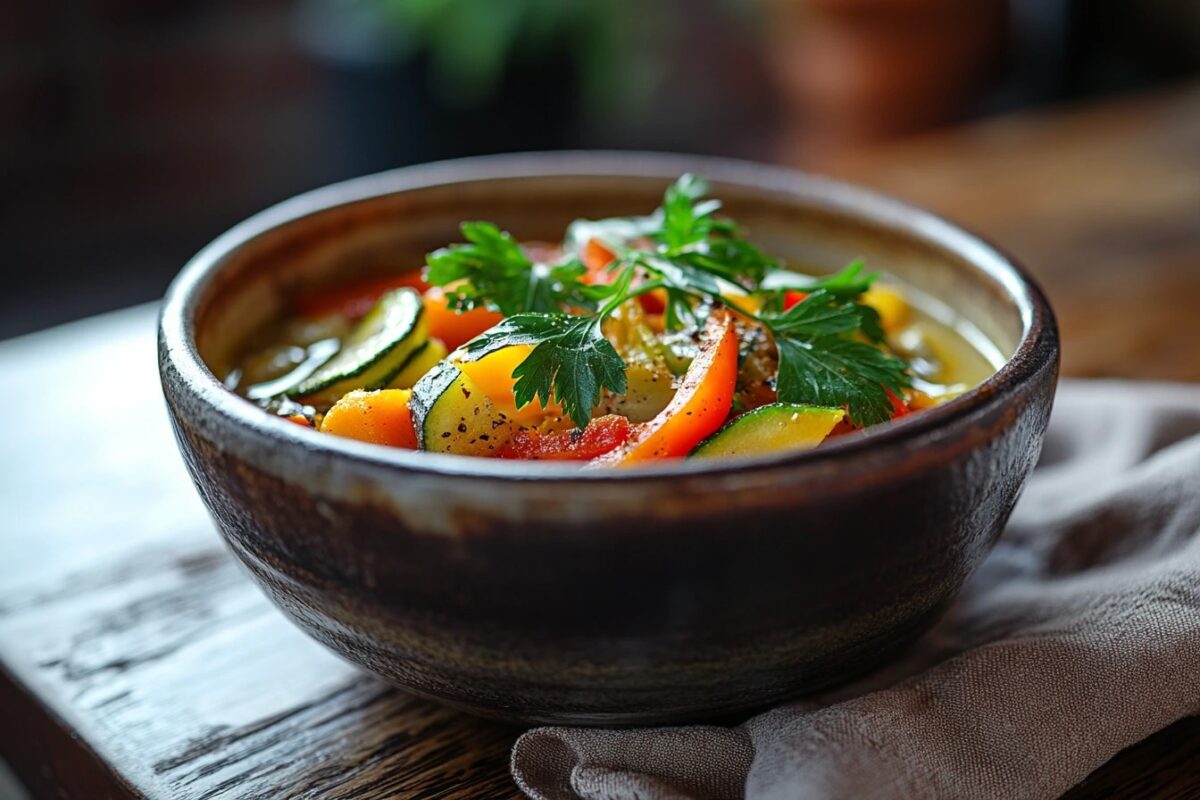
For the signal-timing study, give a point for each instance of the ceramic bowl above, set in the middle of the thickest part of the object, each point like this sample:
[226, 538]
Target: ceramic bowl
[539, 593]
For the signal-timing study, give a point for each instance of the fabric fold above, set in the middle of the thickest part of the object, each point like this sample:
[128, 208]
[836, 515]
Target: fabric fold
[1077, 637]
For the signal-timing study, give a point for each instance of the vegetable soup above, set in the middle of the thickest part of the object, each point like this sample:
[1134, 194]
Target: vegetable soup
[635, 339]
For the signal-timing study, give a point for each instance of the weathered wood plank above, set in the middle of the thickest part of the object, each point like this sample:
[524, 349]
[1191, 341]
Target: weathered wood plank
[1101, 203]
[122, 616]
[1165, 766]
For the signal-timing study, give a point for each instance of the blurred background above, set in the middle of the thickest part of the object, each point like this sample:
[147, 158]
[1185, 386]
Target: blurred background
[134, 131]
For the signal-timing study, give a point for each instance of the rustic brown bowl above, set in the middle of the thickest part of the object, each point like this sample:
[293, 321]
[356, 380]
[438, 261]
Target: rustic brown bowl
[539, 593]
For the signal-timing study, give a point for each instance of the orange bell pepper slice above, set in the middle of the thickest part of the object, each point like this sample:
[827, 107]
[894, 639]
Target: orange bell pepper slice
[381, 417]
[453, 328]
[597, 257]
[493, 373]
[700, 406]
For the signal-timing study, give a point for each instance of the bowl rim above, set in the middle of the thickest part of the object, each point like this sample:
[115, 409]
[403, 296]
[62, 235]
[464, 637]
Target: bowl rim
[1037, 345]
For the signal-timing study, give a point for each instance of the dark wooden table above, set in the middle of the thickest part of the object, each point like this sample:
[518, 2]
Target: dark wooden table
[136, 660]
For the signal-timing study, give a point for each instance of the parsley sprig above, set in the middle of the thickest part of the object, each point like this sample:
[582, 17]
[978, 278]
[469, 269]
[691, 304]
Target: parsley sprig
[491, 270]
[822, 363]
[571, 361]
[827, 343]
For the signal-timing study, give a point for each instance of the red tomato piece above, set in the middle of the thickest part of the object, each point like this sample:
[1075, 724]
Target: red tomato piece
[355, 299]
[793, 297]
[601, 436]
[899, 406]
[654, 302]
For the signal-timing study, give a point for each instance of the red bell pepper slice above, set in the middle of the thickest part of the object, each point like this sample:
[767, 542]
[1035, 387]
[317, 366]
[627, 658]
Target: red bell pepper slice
[701, 403]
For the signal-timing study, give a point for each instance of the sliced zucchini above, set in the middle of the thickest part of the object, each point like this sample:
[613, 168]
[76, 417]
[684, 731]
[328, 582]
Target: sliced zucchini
[316, 354]
[771, 429]
[376, 350]
[452, 414]
[649, 388]
[492, 371]
[636, 341]
[425, 359]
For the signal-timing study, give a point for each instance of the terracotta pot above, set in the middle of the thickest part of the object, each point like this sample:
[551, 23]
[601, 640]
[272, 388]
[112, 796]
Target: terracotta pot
[856, 71]
[538, 593]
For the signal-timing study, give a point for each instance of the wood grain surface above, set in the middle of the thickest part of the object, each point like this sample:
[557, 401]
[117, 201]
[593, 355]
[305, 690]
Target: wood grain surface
[137, 661]
[128, 631]
[1101, 204]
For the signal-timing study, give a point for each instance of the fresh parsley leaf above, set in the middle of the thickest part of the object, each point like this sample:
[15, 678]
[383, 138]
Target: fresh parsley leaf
[846, 284]
[849, 285]
[675, 273]
[529, 328]
[495, 272]
[871, 324]
[695, 256]
[735, 259]
[571, 361]
[692, 236]
[836, 371]
[819, 314]
[849, 282]
[686, 220]
[819, 361]
[692, 253]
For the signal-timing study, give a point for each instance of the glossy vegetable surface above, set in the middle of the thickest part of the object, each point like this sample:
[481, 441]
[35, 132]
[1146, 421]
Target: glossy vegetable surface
[700, 406]
[381, 417]
[771, 429]
[452, 414]
[375, 352]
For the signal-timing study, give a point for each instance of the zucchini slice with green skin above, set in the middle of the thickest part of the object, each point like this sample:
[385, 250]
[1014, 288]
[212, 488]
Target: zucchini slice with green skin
[318, 353]
[451, 414]
[775, 428]
[424, 359]
[374, 352]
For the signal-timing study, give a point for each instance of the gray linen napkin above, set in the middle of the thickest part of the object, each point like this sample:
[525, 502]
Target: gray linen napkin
[1078, 636]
